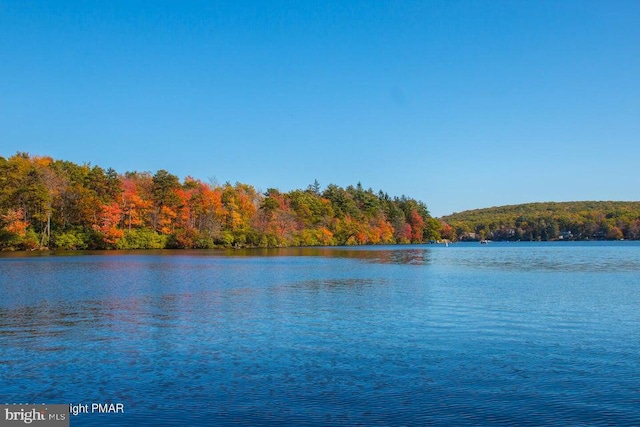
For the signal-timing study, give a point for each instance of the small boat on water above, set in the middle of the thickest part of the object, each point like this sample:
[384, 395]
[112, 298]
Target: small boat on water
[484, 242]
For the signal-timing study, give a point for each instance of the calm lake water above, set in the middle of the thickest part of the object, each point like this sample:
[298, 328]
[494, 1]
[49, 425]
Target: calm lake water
[501, 334]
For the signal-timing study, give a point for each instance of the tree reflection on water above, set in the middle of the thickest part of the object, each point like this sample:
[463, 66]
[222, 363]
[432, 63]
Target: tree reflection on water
[373, 254]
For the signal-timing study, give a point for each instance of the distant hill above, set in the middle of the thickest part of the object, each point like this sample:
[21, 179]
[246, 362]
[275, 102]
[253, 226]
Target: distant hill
[547, 221]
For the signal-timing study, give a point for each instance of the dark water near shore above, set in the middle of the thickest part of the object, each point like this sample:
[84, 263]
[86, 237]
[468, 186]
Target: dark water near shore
[499, 334]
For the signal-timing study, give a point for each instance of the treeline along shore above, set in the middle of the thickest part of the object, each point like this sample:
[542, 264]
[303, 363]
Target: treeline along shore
[57, 204]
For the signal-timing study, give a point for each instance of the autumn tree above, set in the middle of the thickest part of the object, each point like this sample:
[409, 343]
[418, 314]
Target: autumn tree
[165, 201]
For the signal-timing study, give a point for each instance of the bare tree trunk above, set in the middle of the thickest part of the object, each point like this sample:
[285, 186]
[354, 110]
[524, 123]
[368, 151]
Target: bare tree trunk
[46, 233]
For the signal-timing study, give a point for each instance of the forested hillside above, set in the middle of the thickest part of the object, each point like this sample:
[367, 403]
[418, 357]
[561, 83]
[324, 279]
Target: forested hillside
[47, 203]
[547, 221]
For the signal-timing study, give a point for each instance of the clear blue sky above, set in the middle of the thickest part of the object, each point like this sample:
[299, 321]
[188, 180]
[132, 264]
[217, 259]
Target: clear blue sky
[461, 104]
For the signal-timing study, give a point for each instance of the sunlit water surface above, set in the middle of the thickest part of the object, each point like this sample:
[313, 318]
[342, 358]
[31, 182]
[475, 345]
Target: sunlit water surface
[500, 334]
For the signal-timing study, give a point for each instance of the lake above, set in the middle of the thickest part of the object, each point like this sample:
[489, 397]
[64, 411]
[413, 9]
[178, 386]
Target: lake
[522, 334]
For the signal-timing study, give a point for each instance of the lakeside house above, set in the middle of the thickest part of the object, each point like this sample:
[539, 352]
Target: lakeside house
[565, 235]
